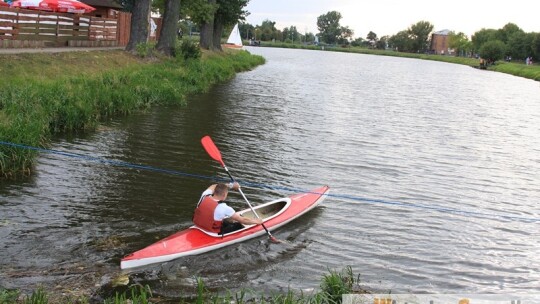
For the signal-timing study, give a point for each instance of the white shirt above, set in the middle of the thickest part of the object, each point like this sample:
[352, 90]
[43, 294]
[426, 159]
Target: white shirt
[222, 211]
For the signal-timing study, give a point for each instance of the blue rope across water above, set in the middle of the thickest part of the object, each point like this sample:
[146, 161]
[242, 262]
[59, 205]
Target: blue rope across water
[294, 190]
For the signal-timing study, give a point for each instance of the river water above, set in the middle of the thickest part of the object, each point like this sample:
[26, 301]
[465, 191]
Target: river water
[426, 162]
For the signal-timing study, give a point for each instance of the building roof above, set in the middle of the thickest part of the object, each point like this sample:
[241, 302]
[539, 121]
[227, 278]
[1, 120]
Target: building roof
[443, 32]
[102, 3]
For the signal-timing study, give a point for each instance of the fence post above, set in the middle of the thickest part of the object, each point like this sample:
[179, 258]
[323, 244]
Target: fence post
[16, 33]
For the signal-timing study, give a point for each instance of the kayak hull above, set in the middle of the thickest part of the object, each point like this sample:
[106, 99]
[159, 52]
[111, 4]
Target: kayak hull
[193, 240]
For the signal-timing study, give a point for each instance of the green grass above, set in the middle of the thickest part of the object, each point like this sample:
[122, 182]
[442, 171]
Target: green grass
[33, 106]
[333, 286]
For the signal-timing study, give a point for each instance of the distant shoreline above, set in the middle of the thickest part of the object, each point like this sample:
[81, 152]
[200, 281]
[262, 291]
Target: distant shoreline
[513, 68]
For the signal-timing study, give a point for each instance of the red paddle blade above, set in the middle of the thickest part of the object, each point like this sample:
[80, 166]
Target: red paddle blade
[211, 149]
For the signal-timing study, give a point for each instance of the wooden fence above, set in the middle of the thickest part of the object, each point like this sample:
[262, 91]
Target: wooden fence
[31, 28]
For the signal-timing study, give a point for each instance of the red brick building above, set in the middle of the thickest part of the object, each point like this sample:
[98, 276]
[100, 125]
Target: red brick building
[439, 43]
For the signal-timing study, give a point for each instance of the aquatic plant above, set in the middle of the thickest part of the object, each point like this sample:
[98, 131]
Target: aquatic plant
[8, 296]
[39, 296]
[335, 284]
[136, 295]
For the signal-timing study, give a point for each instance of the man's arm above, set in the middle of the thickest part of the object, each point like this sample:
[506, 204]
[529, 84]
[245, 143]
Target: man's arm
[245, 220]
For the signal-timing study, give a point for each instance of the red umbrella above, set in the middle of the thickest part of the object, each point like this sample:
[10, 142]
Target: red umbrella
[62, 6]
[2, 3]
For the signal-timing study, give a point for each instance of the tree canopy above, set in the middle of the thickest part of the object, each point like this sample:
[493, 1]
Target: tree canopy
[420, 34]
[492, 50]
[329, 28]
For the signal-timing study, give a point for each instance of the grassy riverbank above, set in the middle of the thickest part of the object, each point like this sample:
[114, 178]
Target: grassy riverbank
[42, 94]
[333, 286]
[512, 68]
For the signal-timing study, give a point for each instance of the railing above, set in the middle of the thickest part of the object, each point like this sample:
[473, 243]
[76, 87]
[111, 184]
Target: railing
[55, 28]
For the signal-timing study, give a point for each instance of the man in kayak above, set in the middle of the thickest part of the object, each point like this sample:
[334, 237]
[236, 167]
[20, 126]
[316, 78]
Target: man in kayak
[213, 214]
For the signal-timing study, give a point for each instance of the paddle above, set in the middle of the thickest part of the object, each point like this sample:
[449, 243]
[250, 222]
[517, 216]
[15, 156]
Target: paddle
[214, 153]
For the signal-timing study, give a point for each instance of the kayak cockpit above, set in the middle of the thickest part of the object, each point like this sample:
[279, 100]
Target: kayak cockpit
[265, 211]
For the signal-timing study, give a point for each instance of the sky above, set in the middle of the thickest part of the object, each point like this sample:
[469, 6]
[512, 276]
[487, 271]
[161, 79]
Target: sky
[388, 17]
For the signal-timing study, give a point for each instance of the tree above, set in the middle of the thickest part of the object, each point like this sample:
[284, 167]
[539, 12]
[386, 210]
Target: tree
[329, 28]
[401, 41]
[207, 28]
[520, 44]
[291, 34]
[459, 42]
[420, 34]
[228, 13]
[382, 43]
[508, 31]
[536, 46]
[247, 31]
[309, 37]
[358, 42]
[169, 28]
[139, 24]
[372, 38]
[482, 36]
[345, 35]
[492, 50]
[266, 31]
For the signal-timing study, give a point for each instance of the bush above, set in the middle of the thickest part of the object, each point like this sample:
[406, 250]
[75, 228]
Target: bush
[188, 49]
[144, 49]
[492, 50]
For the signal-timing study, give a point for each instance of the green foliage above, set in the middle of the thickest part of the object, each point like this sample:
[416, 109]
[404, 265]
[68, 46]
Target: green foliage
[333, 286]
[520, 44]
[144, 50]
[329, 27]
[32, 108]
[8, 296]
[371, 37]
[231, 11]
[247, 30]
[37, 297]
[401, 42]
[135, 295]
[198, 11]
[460, 43]
[188, 49]
[267, 31]
[291, 34]
[420, 35]
[483, 36]
[336, 284]
[492, 50]
[382, 43]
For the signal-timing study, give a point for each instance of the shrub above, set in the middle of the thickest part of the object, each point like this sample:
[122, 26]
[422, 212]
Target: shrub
[492, 50]
[144, 49]
[188, 49]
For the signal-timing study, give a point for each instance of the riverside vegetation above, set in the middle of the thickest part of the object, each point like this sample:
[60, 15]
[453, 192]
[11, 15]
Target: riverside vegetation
[333, 286]
[43, 94]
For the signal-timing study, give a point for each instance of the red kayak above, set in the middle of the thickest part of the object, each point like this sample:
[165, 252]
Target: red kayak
[195, 240]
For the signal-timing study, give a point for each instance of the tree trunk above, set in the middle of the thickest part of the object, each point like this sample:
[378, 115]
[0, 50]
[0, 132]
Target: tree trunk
[139, 24]
[169, 27]
[218, 32]
[207, 32]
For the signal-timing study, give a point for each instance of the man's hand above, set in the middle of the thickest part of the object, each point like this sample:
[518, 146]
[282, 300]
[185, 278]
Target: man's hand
[235, 186]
